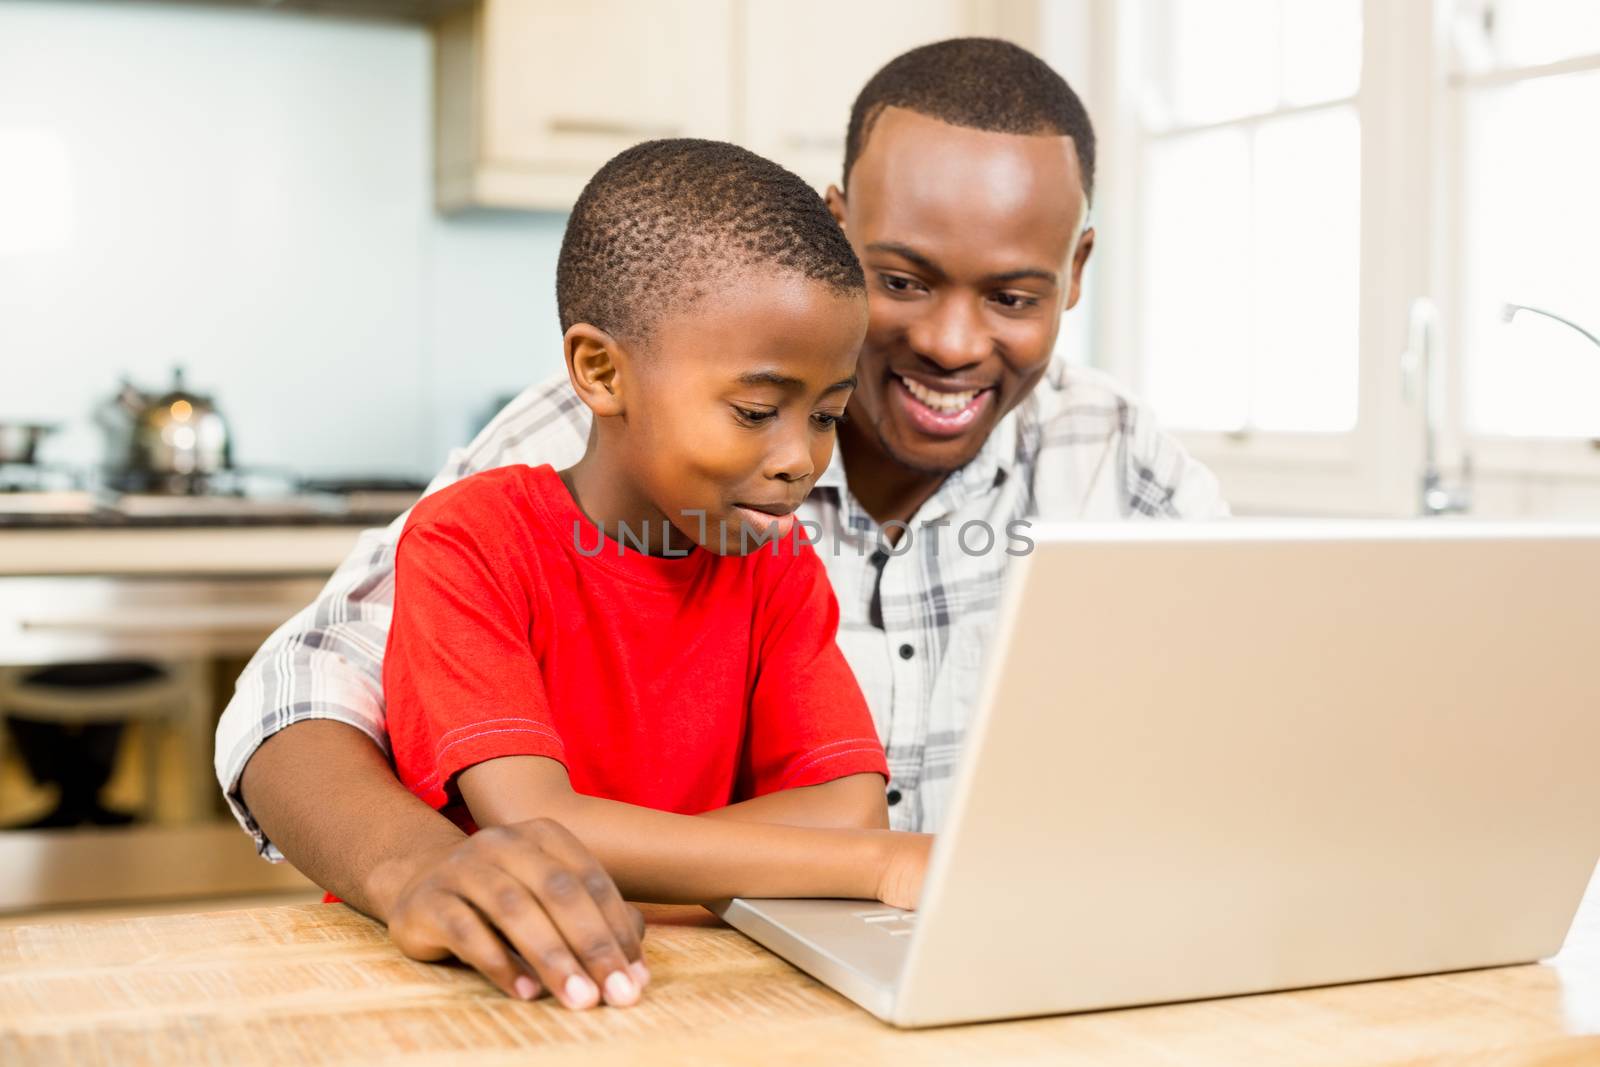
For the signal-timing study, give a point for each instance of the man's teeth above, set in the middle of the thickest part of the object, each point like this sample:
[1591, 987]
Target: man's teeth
[949, 403]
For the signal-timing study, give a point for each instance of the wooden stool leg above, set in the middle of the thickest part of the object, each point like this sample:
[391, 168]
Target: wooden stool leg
[199, 742]
[151, 735]
[5, 738]
[7, 675]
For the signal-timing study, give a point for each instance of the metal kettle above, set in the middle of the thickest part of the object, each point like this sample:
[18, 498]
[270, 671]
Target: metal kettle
[172, 440]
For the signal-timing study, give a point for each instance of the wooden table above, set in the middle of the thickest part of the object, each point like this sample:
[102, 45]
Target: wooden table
[318, 984]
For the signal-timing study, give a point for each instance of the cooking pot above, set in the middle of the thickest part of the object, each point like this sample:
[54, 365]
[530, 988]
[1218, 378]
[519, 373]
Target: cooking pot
[19, 441]
[177, 434]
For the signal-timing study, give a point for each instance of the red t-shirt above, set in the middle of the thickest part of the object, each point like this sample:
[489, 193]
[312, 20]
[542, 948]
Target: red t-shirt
[681, 684]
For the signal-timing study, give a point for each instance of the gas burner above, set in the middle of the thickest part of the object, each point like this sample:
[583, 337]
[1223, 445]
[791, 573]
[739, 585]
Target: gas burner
[232, 482]
[145, 483]
[37, 478]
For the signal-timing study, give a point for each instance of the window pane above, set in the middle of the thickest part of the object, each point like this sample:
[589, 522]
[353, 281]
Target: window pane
[1531, 235]
[1519, 33]
[1304, 304]
[1321, 50]
[1215, 60]
[1252, 265]
[1195, 336]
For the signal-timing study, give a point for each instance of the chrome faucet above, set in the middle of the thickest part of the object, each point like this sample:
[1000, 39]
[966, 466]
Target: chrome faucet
[1509, 312]
[1437, 497]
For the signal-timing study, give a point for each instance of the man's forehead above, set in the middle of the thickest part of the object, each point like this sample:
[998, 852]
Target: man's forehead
[933, 185]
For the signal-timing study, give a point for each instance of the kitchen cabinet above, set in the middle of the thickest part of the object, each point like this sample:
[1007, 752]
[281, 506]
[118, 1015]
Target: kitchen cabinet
[805, 63]
[196, 599]
[49, 619]
[532, 96]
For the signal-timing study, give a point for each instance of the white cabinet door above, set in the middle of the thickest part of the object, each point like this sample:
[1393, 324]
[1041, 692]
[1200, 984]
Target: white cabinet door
[804, 63]
[534, 95]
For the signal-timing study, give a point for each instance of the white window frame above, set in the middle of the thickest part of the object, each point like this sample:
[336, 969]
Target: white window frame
[1529, 474]
[1411, 160]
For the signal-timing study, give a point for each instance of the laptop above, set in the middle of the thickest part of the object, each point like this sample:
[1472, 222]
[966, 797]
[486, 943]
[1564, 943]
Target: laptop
[1254, 756]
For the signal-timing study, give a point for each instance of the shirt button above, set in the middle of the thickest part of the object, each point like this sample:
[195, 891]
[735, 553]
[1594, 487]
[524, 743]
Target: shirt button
[906, 652]
[893, 797]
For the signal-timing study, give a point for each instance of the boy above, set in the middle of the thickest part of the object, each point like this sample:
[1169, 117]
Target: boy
[682, 708]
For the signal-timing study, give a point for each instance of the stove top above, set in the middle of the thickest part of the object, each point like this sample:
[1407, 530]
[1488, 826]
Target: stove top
[37, 478]
[40, 497]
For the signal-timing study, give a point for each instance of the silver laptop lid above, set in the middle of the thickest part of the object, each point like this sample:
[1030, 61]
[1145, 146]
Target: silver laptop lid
[1229, 758]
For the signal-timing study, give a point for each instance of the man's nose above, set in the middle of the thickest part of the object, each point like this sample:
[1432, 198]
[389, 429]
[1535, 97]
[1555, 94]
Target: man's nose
[951, 334]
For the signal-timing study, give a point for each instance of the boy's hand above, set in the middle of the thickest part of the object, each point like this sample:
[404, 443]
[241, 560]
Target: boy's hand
[905, 865]
[532, 890]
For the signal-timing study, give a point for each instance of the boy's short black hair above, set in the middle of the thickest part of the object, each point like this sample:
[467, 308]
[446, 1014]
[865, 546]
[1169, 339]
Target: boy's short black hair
[980, 83]
[657, 225]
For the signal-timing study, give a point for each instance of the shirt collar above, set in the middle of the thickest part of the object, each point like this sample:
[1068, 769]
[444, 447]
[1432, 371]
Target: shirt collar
[833, 477]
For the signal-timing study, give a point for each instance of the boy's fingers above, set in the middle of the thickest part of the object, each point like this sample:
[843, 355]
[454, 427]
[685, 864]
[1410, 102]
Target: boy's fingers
[624, 919]
[521, 920]
[471, 940]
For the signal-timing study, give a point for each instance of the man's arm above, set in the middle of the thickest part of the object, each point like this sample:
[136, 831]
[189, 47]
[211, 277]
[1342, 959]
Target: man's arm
[661, 856]
[327, 661]
[325, 794]
[304, 739]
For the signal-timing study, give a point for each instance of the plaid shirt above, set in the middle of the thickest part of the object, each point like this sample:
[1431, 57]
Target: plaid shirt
[915, 618]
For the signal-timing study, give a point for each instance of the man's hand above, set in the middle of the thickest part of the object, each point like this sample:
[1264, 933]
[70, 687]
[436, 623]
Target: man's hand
[526, 904]
[905, 865]
[529, 907]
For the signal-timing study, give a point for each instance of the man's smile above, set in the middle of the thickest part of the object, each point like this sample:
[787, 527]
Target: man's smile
[941, 408]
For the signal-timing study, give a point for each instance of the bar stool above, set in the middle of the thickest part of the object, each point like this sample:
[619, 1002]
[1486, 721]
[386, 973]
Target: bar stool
[177, 699]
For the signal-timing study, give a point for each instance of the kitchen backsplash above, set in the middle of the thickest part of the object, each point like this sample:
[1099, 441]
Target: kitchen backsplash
[248, 194]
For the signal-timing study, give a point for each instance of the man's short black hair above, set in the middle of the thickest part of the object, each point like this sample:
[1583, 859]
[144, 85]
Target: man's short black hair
[980, 83]
[657, 225]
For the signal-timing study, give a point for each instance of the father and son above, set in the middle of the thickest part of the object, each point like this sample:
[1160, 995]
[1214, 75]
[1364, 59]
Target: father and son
[602, 660]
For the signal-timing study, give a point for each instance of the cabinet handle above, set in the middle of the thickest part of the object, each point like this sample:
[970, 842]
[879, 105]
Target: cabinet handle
[612, 128]
[157, 622]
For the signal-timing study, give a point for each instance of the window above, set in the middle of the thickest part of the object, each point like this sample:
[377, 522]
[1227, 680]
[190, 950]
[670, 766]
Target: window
[1526, 93]
[1287, 183]
[1251, 161]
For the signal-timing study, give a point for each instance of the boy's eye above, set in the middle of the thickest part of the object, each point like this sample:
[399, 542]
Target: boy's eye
[753, 416]
[827, 420]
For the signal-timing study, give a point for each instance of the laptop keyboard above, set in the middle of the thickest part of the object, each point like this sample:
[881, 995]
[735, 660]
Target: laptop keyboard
[893, 923]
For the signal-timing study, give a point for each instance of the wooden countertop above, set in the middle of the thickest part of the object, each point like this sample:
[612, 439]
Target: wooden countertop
[318, 984]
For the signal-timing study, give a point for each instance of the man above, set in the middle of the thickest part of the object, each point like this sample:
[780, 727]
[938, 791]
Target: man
[969, 171]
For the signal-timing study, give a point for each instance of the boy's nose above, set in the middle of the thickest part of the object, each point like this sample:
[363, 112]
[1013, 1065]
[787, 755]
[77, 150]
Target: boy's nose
[791, 460]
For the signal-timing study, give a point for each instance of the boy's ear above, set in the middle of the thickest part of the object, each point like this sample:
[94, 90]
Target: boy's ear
[594, 359]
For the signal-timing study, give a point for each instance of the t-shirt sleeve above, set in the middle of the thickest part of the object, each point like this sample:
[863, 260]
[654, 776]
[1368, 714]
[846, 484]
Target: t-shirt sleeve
[460, 677]
[809, 723]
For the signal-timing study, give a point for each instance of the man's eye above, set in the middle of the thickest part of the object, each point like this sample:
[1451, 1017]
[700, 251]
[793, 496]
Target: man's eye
[1016, 300]
[753, 415]
[896, 284]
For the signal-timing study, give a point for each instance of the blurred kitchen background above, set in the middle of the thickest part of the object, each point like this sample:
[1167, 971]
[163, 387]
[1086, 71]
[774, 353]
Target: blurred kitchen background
[263, 264]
